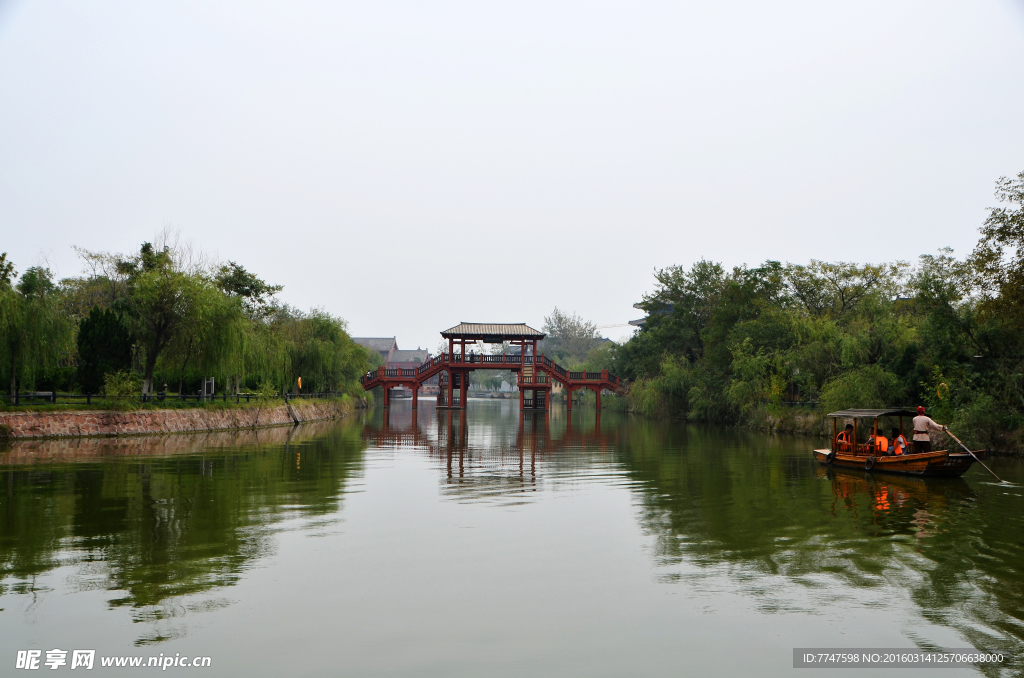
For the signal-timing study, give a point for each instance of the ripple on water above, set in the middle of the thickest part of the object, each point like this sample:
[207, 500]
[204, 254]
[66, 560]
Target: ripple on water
[714, 516]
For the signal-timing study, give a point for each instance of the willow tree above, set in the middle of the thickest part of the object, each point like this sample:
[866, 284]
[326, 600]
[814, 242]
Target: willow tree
[314, 346]
[36, 333]
[250, 294]
[212, 341]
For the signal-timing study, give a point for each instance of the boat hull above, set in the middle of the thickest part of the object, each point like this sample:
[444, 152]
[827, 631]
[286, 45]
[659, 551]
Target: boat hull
[938, 464]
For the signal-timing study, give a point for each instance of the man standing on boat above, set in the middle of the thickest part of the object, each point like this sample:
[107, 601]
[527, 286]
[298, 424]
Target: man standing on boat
[922, 425]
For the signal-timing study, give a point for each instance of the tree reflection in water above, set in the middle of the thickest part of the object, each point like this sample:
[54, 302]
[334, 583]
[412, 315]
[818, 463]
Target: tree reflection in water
[157, 523]
[167, 530]
[754, 513]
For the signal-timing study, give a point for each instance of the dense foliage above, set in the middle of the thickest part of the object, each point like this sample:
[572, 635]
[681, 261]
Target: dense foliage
[737, 346]
[36, 334]
[104, 347]
[172, 319]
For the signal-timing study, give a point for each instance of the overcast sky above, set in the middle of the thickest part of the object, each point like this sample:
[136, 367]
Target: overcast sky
[408, 166]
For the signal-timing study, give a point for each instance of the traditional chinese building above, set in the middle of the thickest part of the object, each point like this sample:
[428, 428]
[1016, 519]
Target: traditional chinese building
[383, 346]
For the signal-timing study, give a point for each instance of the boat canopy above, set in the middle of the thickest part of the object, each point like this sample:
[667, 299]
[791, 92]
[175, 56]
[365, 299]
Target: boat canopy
[872, 414]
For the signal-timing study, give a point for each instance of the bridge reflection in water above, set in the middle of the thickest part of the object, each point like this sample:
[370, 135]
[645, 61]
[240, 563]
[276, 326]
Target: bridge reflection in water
[489, 458]
[643, 533]
[734, 513]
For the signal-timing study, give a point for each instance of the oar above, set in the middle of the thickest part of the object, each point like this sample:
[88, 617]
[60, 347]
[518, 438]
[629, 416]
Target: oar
[950, 434]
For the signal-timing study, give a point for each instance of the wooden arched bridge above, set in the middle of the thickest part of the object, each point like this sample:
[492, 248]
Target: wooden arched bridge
[535, 373]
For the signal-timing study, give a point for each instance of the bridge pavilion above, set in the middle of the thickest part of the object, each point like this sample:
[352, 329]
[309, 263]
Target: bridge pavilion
[518, 335]
[536, 372]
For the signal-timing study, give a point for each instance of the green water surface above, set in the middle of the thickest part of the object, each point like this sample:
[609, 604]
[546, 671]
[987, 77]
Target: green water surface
[495, 543]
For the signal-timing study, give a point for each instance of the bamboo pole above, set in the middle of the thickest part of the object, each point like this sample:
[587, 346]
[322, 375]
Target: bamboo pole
[950, 434]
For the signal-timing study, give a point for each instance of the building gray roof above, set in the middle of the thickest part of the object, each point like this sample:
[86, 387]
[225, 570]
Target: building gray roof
[492, 333]
[379, 344]
[411, 356]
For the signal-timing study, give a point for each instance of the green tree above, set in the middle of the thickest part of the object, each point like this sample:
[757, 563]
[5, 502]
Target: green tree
[569, 337]
[104, 346]
[161, 293]
[835, 289]
[35, 333]
[321, 352]
[866, 386]
[998, 259]
[681, 307]
[213, 340]
[7, 272]
[255, 293]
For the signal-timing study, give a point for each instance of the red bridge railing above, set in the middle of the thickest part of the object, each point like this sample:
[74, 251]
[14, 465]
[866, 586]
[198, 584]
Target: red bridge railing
[415, 373]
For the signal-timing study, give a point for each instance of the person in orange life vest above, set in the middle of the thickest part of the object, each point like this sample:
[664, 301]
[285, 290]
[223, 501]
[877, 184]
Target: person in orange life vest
[898, 445]
[872, 437]
[881, 443]
[922, 425]
[845, 438]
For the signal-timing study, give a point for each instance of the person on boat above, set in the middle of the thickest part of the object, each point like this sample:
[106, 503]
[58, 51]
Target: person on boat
[845, 438]
[922, 425]
[881, 442]
[898, 444]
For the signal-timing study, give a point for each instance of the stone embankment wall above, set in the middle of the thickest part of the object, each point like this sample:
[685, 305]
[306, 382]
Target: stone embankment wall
[76, 423]
[40, 450]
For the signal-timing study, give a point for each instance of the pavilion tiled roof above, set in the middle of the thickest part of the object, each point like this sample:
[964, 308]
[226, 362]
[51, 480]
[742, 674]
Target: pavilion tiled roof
[493, 331]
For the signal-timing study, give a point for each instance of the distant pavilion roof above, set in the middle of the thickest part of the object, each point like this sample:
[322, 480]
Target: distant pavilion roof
[492, 333]
[871, 414]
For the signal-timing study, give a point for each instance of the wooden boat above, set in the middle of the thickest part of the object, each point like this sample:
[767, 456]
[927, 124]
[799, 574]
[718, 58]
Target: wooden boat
[860, 456]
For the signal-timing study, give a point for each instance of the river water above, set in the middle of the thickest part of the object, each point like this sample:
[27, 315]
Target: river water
[494, 543]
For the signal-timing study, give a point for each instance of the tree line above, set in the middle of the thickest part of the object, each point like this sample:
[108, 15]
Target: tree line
[737, 346]
[167, 318]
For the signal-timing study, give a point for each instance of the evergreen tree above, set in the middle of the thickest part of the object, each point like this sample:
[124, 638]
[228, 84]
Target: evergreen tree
[104, 346]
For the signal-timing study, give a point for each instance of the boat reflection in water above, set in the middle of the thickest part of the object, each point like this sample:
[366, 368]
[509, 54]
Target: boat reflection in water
[875, 495]
[616, 544]
[749, 514]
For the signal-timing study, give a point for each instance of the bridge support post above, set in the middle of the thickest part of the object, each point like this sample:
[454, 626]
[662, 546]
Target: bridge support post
[451, 382]
[464, 390]
[568, 398]
[387, 396]
[415, 395]
[598, 391]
